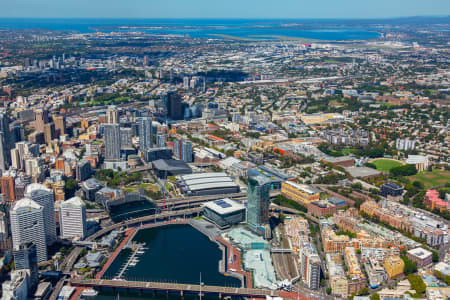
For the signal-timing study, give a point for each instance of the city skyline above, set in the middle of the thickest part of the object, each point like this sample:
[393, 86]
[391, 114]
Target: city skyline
[290, 9]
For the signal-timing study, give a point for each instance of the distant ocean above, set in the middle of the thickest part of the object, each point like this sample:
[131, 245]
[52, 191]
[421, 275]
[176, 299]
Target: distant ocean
[333, 30]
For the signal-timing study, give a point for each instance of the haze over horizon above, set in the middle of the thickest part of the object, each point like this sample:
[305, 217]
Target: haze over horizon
[263, 9]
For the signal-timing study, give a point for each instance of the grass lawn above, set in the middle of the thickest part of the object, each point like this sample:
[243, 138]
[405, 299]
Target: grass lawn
[433, 178]
[386, 165]
[348, 151]
[145, 186]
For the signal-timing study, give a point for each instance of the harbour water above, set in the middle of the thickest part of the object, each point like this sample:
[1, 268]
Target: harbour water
[174, 253]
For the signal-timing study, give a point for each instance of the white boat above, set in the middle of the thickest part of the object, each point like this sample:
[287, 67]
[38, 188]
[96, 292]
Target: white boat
[89, 293]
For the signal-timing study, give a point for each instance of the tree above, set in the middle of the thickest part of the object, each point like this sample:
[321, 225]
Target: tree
[70, 187]
[410, 266]
[363, 291]
[435, 256]
[417, 284]
[357, 186]
[229, 153]
[375, 296]
[328, 290]
[418, 184]
[405, 170]
[282, 217]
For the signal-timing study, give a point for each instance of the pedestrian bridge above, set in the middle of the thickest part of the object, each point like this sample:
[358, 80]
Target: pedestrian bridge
[279, 250]
[174, 287]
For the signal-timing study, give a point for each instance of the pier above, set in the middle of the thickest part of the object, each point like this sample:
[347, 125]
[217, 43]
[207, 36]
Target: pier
[132, 261]
[175, 287]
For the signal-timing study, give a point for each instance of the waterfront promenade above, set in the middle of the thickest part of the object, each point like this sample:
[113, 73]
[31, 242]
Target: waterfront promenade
[236, 265]
[129, 234]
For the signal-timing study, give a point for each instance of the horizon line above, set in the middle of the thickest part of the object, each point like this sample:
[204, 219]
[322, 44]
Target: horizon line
[230, 18]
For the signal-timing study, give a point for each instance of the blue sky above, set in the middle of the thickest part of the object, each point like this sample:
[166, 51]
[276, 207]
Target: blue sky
[222, 8]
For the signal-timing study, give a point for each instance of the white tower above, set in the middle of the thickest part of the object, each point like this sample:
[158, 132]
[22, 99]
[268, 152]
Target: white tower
[27, 225]
[44, 197]
[72, 218]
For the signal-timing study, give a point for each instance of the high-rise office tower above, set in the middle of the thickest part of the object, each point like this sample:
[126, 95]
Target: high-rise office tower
[126, 134]
[60, 124]
[17, 134]
[83, 170]
[145, 133]
[8, 189]
[21, 183]
[49, 132]
[40, 119]
[45, 198]
[4, 231]
[310, 266]
[186, 151]
[177, 148]
[146, 60]
[3, 153]
[112, 142]
[186, 82]
[27, 225]
[16, 162]
[33, 167]
[236, 117]
[5, 141]
[73, 218]
[160, 140]
[32, 149]
[25, 258]
[174, 106]
[258, 202]
[112, 115]
[22, 147]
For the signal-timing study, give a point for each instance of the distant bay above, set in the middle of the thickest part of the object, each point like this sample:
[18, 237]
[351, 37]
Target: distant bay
[332, 30]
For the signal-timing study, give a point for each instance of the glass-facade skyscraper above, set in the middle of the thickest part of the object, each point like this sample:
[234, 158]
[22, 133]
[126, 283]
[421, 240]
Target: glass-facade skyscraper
[112, 142]
[145, 133]
[258, 202]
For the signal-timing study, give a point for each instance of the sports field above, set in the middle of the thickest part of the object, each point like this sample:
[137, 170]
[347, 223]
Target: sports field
[433, 178]
[385, 165]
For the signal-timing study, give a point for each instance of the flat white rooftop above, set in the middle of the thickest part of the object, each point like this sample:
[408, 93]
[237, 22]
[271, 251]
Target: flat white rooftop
[203, 175]
[212, 185]
[301, 187]
[224, 206]
[420, 252]
[207, 180]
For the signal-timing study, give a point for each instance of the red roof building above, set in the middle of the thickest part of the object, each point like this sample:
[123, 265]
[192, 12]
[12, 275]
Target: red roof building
[433, 201]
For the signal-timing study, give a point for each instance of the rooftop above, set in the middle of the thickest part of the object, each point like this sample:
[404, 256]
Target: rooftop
[203, 175]
[92, 183]
[26, 202]
[224, 206]
[212, 185]
[362, 171]
[420, 253]
[74, 202]
[305, 188]
[35, 187]
[170, 164]
[416, 159]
